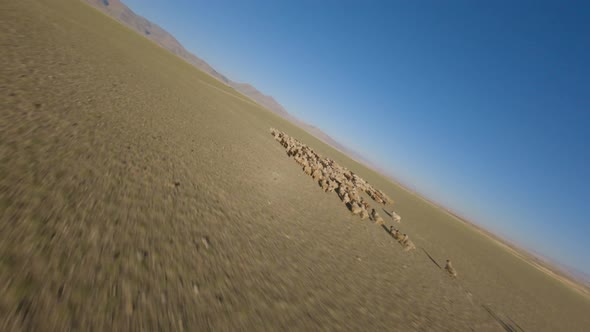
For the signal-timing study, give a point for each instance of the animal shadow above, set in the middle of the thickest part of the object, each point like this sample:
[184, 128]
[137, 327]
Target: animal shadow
[508, 327]
[432, 259]
[387, 213]
[387, 230]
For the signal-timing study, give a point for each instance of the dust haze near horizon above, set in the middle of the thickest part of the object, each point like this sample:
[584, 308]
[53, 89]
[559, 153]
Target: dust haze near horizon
[481, 107]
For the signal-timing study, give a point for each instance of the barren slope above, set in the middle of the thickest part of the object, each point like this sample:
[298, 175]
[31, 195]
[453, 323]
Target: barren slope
[138, 193]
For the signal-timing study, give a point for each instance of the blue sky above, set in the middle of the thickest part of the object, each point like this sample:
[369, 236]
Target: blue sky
[481, 106]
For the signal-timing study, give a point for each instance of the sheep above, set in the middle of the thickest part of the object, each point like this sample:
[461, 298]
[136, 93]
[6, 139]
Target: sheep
[450, 270]
[333, 177]
[404, 238]
[374, 214]
[299, 160]
[366, 205]
[346, 198]
[376, 217]
[355, 208]
[317, 174]
[409, 245]
[379, 220]
[393, 231]
[331, 186]
[396, 217]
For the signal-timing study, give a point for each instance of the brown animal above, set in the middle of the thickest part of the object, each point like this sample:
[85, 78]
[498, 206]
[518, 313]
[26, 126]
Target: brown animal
[331, 176]
[373, 213]
[317, 174]
[405, 238]
[355, 208]
[376, 217]
[409, 245]
[346, 198]
[396, 217]
[364, 214]
[450, 269]
[379, 221]
[394, 232]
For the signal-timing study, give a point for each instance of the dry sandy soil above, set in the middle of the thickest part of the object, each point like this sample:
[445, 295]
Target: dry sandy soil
[137, 193]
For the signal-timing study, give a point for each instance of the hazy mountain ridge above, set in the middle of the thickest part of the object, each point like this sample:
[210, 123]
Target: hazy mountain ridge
[157, 34]
[266, 101]
[154, 32]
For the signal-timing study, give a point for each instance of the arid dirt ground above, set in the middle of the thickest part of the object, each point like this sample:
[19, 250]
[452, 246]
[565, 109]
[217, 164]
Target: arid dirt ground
[137, 193]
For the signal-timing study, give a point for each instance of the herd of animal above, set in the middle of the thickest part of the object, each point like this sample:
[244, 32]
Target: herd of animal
[402, 238]
[332, 177]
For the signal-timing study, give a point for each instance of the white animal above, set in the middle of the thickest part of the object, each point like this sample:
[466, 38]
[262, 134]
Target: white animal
[396, 217]
[450, 269]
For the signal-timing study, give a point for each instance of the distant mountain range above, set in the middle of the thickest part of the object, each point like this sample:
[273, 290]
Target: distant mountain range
[155, 33]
